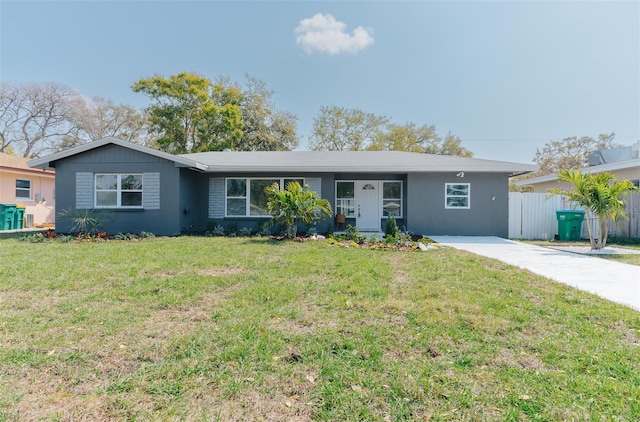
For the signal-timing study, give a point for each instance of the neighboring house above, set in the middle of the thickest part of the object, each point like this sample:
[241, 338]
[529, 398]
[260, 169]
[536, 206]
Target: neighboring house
[150, 190]
[28, 187]
[623, 162]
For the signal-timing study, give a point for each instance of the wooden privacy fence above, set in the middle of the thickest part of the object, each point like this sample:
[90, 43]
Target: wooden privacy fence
[533, 216]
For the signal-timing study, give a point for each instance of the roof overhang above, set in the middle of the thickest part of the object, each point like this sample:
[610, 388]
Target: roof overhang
[381, 162]
[351, 162]
[46, 172]
[48, 161]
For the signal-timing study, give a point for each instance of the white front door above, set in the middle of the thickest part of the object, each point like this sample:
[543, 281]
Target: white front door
[368, 205]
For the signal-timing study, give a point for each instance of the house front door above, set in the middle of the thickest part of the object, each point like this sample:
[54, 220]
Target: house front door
[368, 205]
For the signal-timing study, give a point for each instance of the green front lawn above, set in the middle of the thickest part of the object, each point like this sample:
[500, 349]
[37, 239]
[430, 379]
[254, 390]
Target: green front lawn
[234, 328]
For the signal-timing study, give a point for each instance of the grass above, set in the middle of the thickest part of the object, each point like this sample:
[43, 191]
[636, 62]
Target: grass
[234, 329]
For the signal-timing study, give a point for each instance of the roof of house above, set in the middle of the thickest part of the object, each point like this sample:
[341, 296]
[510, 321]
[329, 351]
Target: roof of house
[350, 161]
[309, 161]
[46, 162]
[13, 162]
[620, 165]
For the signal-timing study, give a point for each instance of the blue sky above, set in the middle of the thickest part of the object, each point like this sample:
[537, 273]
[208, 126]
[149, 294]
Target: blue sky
[506, 77]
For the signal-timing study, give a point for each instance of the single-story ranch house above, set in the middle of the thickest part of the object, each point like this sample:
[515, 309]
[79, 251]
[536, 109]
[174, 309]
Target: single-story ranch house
[153, 191]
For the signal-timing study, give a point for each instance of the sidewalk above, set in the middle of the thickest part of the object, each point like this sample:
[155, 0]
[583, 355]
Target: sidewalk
[611, 280]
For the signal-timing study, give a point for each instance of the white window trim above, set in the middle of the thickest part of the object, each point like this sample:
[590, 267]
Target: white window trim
[381, 197]
[468, 196]
[118, 192]
[22, 198]
[247, 197]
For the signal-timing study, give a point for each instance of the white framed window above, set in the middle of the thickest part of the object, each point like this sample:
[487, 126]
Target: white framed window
[457, 195]
[246, 197]
[115, 190]
[23, 189]
[346, 198]
[392, 199]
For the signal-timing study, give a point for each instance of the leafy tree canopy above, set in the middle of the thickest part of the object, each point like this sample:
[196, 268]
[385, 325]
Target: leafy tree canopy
[409, 137]
[340, 129]
[570, 153]
[265, 128]
[189, 113]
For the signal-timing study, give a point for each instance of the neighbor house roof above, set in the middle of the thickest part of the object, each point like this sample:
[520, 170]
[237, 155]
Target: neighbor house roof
[47, 162]
[349, 161]
[308, 161]
[621, 165]
[15, 163]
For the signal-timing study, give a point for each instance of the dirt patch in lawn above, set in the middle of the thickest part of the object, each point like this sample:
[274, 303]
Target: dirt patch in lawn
[220, 271]
[254, 405]
[520, 361]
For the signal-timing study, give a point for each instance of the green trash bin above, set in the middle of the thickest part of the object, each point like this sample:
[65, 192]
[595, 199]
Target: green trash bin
[18, 219]
[569, 224]
[7, 214]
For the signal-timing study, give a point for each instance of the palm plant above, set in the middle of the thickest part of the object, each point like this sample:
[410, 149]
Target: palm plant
[86, 221]
[600, 195]
[295, 204]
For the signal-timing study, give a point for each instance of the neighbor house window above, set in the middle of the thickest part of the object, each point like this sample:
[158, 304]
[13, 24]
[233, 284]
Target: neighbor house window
[23, 189]
[345, 199]
[247, 196]
[392, 199]
[118, 190]
[457, 195]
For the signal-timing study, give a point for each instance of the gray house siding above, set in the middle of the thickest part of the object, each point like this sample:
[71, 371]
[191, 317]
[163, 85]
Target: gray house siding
[160, 214]
[216, 201]
[487, 215]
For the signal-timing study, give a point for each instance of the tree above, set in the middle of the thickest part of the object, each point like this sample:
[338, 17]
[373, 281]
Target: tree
[103, 118]
[295, 203]
[600, 195]
[570, 153]
[99, 118]
[35, 117]
[264, 127]
[409, 137]
[341, 129]
[191, 114]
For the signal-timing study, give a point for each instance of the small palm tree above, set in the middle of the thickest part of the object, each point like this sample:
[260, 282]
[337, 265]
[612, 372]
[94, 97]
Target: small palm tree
[601, 195]
[296, 204]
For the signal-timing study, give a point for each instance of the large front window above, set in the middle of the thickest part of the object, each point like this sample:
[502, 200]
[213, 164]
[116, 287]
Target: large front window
[118, 190]
[247, 197]
[23, 189]
[457, 195]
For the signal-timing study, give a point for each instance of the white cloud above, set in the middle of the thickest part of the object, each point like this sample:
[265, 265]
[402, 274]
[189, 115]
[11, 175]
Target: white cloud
[323, 33]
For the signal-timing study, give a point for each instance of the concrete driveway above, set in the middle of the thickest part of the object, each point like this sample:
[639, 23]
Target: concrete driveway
[611, 280]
